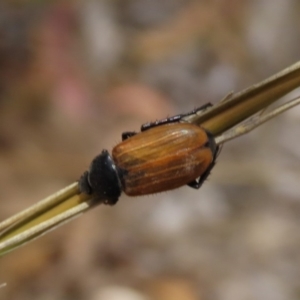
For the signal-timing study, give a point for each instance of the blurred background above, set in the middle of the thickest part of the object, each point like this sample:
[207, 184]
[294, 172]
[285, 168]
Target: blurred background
[75, 74]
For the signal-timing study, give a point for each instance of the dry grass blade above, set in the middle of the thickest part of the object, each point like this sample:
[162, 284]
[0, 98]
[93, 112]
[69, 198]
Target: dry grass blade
[42, 217]
[20, 239]
[255, 121]
[239, 106]
[39, 207]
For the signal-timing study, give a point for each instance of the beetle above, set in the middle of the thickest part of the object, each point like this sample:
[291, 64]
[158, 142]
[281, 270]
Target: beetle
[164, 155]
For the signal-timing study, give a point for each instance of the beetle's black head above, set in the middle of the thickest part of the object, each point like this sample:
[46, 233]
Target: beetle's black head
[102, 179]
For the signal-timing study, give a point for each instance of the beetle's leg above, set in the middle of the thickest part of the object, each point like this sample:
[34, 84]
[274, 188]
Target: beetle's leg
[194, 184]
[197, 183]
[127, 134]
[149, 125]
[195, 110]
[173, 119]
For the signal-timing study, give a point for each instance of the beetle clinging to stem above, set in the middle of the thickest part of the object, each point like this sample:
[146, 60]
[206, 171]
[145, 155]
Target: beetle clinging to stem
[165, 155]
